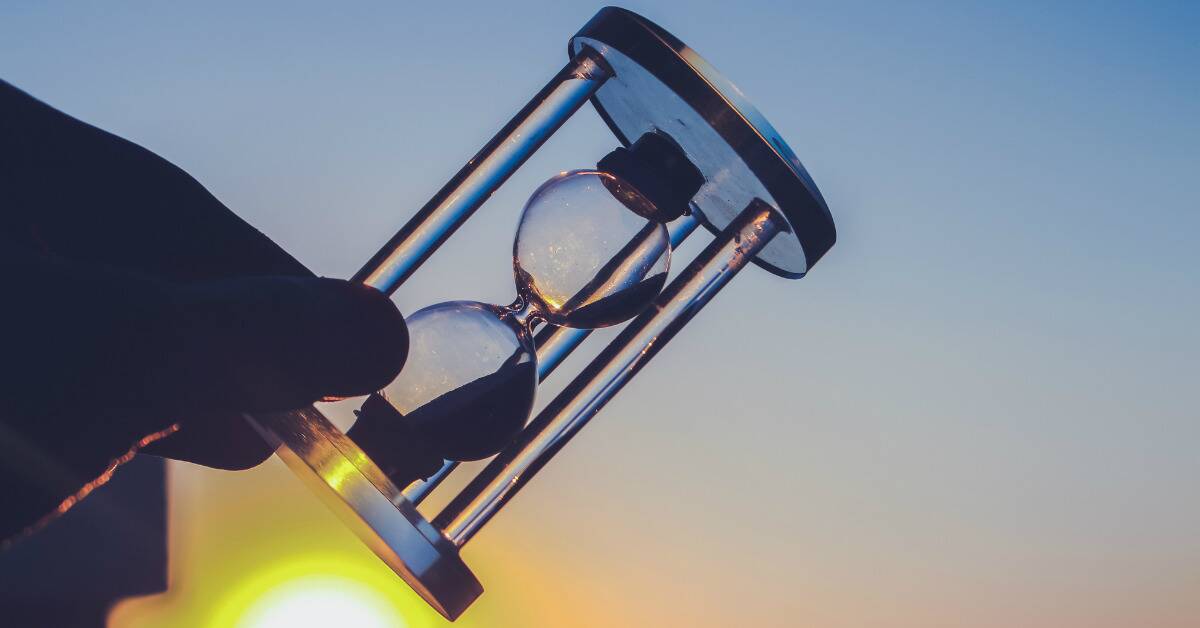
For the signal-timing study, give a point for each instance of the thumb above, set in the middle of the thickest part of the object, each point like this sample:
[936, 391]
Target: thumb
[89, 341]
[275, 343]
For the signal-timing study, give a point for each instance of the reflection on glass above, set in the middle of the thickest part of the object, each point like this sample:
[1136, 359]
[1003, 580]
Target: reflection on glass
[585, 256]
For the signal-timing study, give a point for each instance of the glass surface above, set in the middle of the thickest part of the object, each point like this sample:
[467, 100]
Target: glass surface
[474, 381]
[635, 100]
[553, 344]
[584, 257]
[604, 377]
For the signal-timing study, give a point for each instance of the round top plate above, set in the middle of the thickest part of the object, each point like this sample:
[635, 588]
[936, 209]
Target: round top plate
[661, 84]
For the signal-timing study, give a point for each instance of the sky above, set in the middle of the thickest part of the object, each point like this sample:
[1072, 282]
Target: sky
[979, 409]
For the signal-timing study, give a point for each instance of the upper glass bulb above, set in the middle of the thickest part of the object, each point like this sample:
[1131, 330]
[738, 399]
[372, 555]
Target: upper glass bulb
[585, 255]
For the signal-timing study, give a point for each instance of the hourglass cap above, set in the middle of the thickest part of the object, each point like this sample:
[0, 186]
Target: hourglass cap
[660, 84]
[660, 170]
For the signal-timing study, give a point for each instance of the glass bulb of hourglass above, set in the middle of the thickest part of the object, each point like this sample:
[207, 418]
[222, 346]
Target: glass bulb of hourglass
[473, 378]
[584, 256]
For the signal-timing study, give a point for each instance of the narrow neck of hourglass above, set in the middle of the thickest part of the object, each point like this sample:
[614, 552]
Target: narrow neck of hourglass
[523, 313]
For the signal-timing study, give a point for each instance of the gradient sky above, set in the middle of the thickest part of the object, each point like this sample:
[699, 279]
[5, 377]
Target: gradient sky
[980, 409]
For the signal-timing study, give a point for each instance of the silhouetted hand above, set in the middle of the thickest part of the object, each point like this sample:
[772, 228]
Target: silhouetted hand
[133, 300]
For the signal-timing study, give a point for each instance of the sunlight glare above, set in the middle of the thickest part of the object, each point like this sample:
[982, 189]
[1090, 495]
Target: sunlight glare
[321, 601]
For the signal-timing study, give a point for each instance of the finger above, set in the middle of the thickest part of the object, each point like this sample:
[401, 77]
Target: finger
[218, 440]
[81, 338]
[276, 343]
[255, 349]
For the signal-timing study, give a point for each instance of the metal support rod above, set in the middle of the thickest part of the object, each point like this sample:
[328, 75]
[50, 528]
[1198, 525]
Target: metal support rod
[553, 344]
[609, 372]
[419, 490]
[485, 172]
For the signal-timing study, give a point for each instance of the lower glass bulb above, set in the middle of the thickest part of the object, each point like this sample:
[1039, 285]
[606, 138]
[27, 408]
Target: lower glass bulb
[467, 388]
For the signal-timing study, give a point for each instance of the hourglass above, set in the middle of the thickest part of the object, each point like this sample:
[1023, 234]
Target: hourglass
[592, 249]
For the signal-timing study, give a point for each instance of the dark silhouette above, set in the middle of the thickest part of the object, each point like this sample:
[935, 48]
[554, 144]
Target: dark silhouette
[135, 302]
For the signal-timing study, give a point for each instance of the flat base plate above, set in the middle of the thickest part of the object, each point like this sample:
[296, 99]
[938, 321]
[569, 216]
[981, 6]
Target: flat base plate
[351, 485]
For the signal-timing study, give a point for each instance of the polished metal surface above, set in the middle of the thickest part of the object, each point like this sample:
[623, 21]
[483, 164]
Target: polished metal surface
[661, 84]
[484, 173]
[338, 471]
[633, 348]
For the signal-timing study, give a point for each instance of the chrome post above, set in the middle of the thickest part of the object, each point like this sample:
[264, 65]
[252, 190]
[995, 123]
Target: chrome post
[484, 173]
